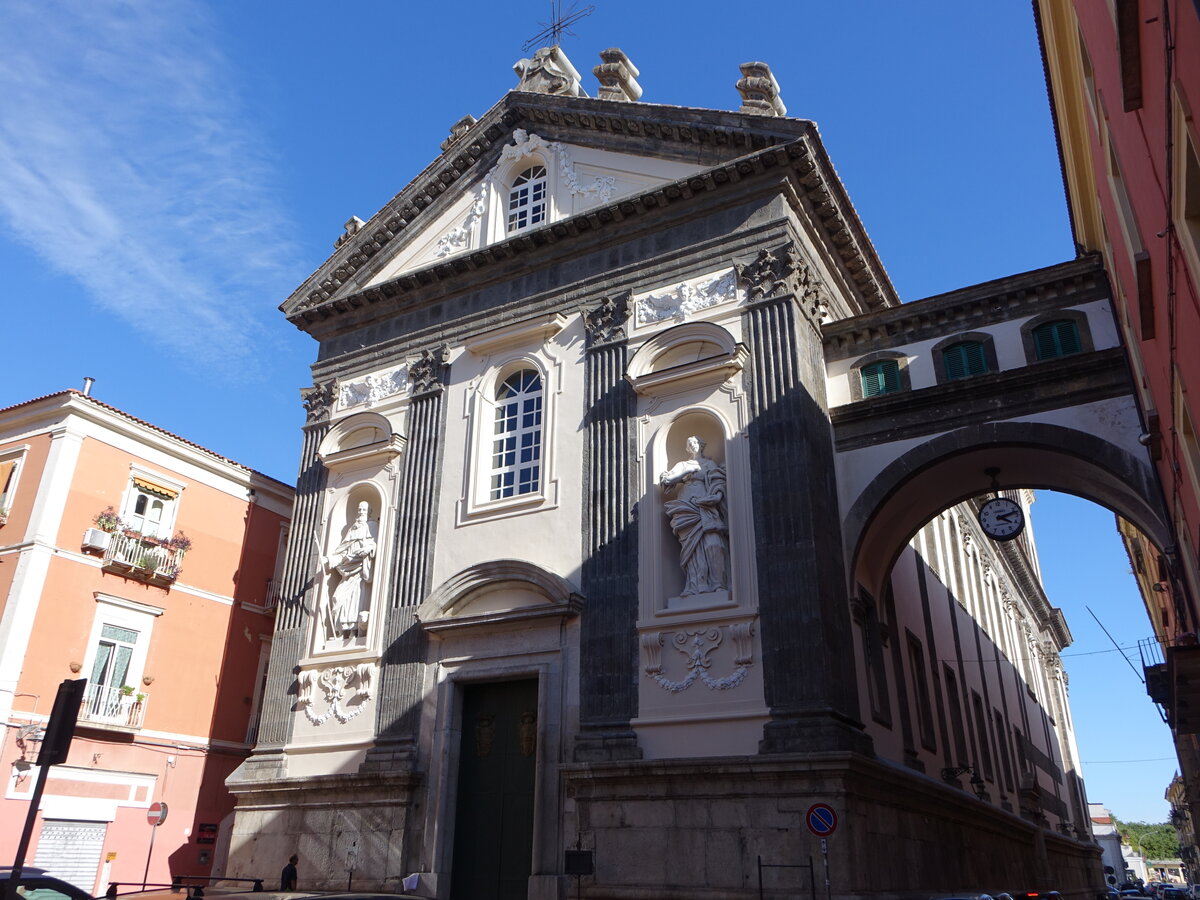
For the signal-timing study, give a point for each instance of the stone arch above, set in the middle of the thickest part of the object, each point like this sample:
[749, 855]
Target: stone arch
[948, 469]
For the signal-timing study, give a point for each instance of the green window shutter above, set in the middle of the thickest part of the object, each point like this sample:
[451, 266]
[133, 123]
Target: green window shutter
[882, 377]
[1057, 338]
[964, 360]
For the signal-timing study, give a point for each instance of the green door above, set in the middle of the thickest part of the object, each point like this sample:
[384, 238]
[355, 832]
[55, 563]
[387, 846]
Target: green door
[493, 831]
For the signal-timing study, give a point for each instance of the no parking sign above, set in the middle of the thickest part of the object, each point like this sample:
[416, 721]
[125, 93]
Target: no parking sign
[821, 820]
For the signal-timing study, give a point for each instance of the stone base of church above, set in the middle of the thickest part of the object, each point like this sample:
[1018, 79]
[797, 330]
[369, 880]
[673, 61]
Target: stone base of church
[347, 829]
[668, 829]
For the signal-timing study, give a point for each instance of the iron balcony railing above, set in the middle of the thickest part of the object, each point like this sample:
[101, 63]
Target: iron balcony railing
[148, 559]
[105, 705]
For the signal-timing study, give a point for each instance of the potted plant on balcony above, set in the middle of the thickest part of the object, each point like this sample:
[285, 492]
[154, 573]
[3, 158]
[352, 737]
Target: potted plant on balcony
[3, 515]
[108, 520]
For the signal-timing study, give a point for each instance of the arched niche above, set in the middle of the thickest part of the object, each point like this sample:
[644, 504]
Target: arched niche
[670, 448]
[363, 440]
[937, 474]
[352, 583]
[686, 356]
[498, 591]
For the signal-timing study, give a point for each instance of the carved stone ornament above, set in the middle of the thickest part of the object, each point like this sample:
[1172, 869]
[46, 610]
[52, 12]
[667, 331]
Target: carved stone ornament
[860, 608]
[318, 401]
[678, 302]
[524, 144]
[606, 321]
[370, 389]
[345, 689]
[548, 72]
[784, 270]
[425, 373]
[772, 274]
[760, 90]
[617, 76]
[696, 646]
[458, 239]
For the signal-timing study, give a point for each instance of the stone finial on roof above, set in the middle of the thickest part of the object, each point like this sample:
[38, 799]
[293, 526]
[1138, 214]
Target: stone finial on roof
[457, 130]
[352, 225]
[617, 76]
[760, 90]
[548, 72]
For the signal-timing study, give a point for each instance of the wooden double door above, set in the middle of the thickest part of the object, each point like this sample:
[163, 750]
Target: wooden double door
[493, 830]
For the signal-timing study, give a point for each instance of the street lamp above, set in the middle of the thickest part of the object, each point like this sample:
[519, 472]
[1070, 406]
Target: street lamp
[950, 775]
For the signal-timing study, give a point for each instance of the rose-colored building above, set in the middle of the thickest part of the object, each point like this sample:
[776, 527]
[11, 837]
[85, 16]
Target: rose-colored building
[1124, 84]
[144, 563]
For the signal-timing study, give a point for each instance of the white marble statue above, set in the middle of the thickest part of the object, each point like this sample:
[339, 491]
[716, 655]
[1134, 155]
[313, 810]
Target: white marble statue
[697, 514]
[349, 568]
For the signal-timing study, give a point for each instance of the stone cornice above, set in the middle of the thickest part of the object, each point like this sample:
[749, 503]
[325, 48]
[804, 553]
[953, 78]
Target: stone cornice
[766, 144]
[1055, 287]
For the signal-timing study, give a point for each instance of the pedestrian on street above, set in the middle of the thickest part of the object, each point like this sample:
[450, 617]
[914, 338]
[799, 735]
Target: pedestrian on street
[287, 880]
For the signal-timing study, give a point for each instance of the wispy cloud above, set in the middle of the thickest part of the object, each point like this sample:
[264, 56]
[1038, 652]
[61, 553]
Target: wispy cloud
[127, 162]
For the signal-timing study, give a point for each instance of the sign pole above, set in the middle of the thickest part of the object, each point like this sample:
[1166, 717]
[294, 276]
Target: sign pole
[56, 743]
[825, 857]
[155, 815]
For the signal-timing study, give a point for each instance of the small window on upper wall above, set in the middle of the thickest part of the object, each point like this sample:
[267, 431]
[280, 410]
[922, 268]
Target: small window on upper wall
[1057, 338]
[527, 199]
[880, 377]
[516, 458]
[964, 359]
[9, 469]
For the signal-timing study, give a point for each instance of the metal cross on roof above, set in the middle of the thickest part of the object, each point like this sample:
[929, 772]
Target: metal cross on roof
[558, 25]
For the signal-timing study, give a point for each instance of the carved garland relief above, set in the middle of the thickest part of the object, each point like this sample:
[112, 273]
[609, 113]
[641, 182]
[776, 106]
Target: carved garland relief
[696, 646]
[346, 690]
[680, 301]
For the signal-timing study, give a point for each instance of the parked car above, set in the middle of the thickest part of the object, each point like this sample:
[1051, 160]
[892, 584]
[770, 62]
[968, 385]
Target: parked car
[38, 884]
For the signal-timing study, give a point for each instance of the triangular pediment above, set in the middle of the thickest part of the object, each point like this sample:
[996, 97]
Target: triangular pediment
[602, 150]
[607, 159]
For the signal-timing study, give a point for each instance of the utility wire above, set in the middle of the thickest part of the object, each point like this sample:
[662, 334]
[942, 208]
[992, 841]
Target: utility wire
[1115, 644]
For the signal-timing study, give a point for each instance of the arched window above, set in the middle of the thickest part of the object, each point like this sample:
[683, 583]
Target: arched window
[964, 359]
[880, 377]
[1057, 338]
[516, 462]
[527, 199]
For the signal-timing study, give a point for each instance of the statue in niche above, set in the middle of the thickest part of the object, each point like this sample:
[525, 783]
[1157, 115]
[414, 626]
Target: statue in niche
[349, 569]
[698, 518]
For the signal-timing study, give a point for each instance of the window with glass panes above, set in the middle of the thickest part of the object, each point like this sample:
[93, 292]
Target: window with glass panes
[880, 377]
[527, 199]
[963, 360]
[1057, 338]
[516, 461]
[110, 670]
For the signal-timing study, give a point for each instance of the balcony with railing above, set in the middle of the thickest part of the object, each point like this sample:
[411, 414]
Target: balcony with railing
[114, 708]
[143, 558]
[1172, 670]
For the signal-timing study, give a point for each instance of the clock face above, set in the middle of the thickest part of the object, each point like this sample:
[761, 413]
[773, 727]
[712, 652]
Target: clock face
[1001, 519]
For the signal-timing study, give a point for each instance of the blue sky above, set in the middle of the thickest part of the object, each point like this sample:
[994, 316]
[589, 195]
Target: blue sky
[171, 170]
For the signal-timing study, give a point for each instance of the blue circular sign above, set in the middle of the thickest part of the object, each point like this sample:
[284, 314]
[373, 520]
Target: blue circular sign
[821, 819]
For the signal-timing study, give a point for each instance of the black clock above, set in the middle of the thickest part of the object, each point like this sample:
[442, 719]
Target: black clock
[1001, 519]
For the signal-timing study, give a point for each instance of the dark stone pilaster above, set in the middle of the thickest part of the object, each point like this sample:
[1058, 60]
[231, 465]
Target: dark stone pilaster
[808, 656]
[609, 577]
[401, 672]
[297, 580]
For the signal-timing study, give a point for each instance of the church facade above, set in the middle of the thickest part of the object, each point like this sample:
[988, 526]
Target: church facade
[606, 316]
